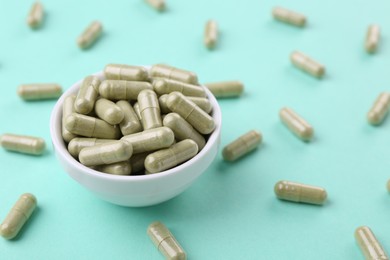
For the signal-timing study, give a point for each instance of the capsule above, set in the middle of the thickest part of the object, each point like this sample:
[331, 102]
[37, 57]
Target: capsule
[137, 162]
[369, 244]
[118, 168]
[226, 89]
[296, 124]
[39, 91]
[307, 64]
[372, 38]
[288, 16]
[149, 109]
[379, 110]
[91, 127]
[109, 111]
[106, 153]
[169, 72]
[23, 144]
[211, 34]
[67, 109]
[203, 103]
[130, 123]
[35, 16]
[126, 72]
[90, 35]
[150, 140]
[165, 242]
[122, 89]
[87, 95]
[18, 216]
[167, 158]
[242, 146]
[159, 5]
[183, 130]
[137, 111]
[187, 109]
[297, 192]
[166, 86]
[78, 143]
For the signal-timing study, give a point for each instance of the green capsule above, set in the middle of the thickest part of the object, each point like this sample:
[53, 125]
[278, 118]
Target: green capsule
[39, 91]
[203, 103]
[35, 16]
[137, 162]
[149, 109]
[130, 123]
[23, 144]
[297, 192]
[87, 95]
[242, 146]
[122, 89]
[166, 86]
[90, 35]
[169, 72]
[109, 111]
[67, 109]
[78, 143]
[118, 168]
[226, 89]
[126, 72]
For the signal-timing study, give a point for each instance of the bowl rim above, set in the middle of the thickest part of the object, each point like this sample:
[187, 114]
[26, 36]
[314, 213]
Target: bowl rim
[61, 150]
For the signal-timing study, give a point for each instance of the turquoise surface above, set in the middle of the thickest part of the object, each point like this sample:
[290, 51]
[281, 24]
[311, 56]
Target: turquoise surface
[231, 211]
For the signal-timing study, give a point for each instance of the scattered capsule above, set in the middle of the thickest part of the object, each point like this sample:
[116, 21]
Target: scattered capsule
[297, 192]
[169, 72]
[379, 110]
[130, 123]
[159, 5]
[118, 168]
[18, 216]
[39, 91]
[307, 64]
[369, 244]
[122, 89]
[296, 124]
[288, 16]
[23, 144]
[67, 109]
[183, 130]
[106, 153]
[150, 140]
[226, 89]
[211, 34]
[78, 143]
[90, 35]
[91, 127]
[109, 111]
[87, 95]
[242, 146]
[165, 242]
[149, 109]
[166, 86]
[126, 72]
[372, 38]
[35, 16]
[137, 162]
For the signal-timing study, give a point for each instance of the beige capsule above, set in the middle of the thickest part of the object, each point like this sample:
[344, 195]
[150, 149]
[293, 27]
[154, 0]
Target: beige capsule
[23, 144]
[162, 101]
[126, 72]
[288, 16]
[226, 89]
[159, 5]
[297, 192]
[90, 35]
[242, 146]
[166, 86]
[39, 91]
[106, 153]
[369, 244]
[165, 242]
[137, 111]
[130, 123]
[296, 124]
[149, 109]
[307, 64]
[183, 130]
[168, 158]
[150, 140]
[35, 16]
[78, 143]
[118, 168]
[67, 109]
[379, 110]
[169, 72]
[203, 103]
[87, 95]
[109, 111]
[91, 127]
[372, 38]
[211, 34]
[187, 109]
[18, 216]
[122, 89]
[137, 162]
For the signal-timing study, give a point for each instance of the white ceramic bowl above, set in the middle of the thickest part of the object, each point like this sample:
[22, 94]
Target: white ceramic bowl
[134, 191]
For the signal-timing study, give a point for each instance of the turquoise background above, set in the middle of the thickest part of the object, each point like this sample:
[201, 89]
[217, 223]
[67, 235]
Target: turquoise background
[231, 211]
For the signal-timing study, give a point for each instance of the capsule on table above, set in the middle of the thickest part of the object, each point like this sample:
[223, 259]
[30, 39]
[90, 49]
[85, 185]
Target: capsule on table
[67, 109]
[242, 146]
[90, 35]
[372, 38]
[296, 124]
[211, 34]
[91, 127]
[130, 123]
[187, 109]
[39, 91]
[150, 140]
[159, 5]
[226, 89]
[125, 72]
[118, 168]
[288, 16]
[369, 244]
[137, 162]
[183, 130]
[108, 111]
[165, 242]
[122, 89]
[169, 72]
[35, 16]
[78, 143]
[87, 95]
[18, 216]
[379, 110]
[307, 64]
[297, 192]
[166, 86]
[23, 144]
